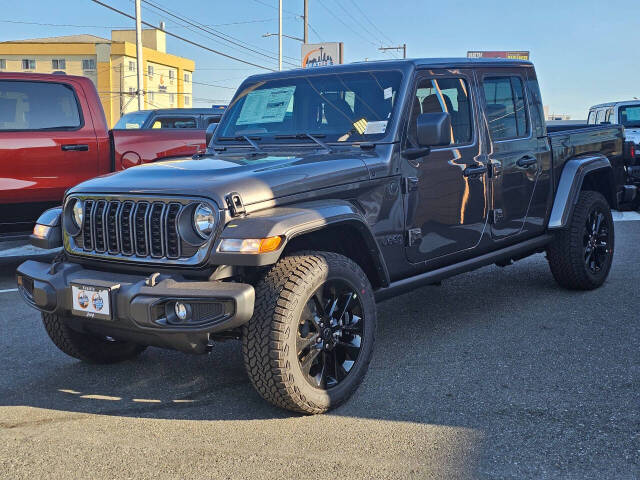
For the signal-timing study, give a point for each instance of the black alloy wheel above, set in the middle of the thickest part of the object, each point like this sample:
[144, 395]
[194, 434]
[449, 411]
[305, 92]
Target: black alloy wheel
[596, 241]
[330, 334]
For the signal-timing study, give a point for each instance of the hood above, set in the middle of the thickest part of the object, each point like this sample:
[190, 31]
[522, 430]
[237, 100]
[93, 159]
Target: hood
[632, 135]
[255, 178]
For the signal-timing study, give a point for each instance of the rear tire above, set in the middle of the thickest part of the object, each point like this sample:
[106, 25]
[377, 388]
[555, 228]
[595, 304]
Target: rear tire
[310, 341]
[85, 347]
[581, 254]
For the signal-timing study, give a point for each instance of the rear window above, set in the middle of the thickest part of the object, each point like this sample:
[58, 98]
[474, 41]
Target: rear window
[174, 122]
[38, 106]
[506, 107]
[131, 121]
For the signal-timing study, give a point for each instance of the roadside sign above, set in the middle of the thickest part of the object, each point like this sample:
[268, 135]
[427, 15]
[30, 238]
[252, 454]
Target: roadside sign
[511, 54]
[322, 54]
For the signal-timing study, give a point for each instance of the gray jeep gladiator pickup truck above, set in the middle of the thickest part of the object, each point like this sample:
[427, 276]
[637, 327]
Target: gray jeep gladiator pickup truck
[323, 191]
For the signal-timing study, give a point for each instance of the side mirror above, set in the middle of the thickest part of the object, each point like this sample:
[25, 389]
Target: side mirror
[433, 129]
[211, 128]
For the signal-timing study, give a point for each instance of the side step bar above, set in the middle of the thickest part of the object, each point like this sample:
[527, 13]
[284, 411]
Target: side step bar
[427, 278]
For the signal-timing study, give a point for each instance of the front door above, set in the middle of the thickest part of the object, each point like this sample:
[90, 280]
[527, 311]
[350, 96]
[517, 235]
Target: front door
[445, 190]
[513, 154]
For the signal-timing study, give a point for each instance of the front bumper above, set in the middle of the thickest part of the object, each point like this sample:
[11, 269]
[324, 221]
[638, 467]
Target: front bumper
[140, 311]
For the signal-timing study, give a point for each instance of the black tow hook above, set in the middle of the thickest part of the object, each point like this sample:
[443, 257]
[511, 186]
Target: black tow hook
[152, 280]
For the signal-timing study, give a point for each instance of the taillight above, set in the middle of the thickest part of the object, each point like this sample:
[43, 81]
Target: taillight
[629, 152]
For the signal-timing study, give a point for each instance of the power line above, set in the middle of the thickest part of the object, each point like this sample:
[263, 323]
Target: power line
[366, 17]
[215, 33]
[337, 17]
[217, 52]
[355, 19]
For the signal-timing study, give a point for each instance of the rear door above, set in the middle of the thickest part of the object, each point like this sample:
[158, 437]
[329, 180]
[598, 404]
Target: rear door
[47, 144]
[513, 150]
[446, 189]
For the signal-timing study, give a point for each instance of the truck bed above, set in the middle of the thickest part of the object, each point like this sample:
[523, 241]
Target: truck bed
[571, 140]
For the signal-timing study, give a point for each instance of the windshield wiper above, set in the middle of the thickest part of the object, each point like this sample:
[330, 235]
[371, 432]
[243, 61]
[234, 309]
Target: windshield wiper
[245, 138]
[301, 136]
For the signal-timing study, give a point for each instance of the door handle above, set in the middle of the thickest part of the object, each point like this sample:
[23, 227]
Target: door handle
[475, 170]
[527, 161]
[75, 147]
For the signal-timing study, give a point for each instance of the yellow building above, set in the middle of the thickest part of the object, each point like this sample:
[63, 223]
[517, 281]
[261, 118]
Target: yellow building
[111, 64]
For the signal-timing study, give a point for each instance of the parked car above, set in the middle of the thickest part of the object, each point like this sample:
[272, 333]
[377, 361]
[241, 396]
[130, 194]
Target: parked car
[323, 191]
[189, 118]
[53, 135]
[625, 113]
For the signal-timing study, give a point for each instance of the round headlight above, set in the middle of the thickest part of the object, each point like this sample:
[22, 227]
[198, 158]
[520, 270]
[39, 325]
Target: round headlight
[203, 220]
[78, 212]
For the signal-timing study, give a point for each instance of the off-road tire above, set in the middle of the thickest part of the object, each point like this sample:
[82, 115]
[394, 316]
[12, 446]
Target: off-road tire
[566, 254]
[269, 338]
[85, 347]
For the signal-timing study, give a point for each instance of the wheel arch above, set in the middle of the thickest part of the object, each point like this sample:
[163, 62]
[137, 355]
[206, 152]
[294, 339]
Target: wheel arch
[329, 225]
[592, 172]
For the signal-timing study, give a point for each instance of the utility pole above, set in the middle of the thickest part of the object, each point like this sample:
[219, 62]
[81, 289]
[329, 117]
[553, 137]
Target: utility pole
[402, 47]
[306, 21]
[279, 34]
[139, 67]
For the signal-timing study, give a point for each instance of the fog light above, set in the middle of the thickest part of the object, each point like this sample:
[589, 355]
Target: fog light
[183, 311]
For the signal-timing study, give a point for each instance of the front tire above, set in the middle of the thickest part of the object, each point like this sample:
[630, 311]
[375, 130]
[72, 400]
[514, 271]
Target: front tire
[310, 341]
[580, 255]
[85, 347]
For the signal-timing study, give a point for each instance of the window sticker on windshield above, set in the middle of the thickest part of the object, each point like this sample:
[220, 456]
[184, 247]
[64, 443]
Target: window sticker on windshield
[266, 106]
[388, 93]
[360, 125]
[376, 128]
[130, 126]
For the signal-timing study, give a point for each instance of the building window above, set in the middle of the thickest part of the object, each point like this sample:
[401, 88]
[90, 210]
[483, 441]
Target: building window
[172, 76]
[151, 97]
[132, 66]
[172, 98]
[132, 91]
[58, 64]
[3, 64]
[187, 78]
[187, 99]
[28, 64]
[150, 71]
[89, 64]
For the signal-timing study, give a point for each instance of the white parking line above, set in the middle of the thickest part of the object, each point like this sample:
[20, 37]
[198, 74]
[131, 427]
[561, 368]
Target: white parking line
[9, 290]
[625, 216]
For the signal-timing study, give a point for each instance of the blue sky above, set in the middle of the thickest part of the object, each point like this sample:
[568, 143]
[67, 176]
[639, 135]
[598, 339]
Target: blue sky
[585, 51]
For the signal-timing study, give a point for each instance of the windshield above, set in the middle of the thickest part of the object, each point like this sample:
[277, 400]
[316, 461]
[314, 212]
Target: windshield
[131, 120]
[335, 107]
[630, 116]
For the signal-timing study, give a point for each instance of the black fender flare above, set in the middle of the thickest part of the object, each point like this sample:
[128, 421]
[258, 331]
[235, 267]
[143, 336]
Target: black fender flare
[570, 184]
[291, 221]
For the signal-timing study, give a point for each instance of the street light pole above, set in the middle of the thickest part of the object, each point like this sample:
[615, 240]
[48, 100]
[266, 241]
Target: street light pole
[279, 34]
[306, 21]
[139, 57]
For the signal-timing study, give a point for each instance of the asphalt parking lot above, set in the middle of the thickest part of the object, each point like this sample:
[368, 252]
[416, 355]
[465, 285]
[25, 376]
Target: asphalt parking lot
[495, 374]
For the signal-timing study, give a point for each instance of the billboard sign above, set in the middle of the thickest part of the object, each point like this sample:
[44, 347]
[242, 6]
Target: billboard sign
[322, 54]
[511, 54]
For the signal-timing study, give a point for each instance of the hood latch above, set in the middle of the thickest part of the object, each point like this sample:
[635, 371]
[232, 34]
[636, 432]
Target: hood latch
[234, 202]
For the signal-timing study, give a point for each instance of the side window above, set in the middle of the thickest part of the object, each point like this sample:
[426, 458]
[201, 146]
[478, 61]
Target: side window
[450, 95]
[607, 116]
[506, 107]
[591, 119]
[37, 106]
[174, 122]
[600, 116]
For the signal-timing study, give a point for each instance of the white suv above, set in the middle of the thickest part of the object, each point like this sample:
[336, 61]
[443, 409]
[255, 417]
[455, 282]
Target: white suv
[625, 113]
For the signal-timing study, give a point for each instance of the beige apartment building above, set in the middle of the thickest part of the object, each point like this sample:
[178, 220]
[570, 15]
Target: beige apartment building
[111, 64]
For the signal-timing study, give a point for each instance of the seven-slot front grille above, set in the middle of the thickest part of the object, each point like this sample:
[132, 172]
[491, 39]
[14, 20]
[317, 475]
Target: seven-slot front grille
[132, 228]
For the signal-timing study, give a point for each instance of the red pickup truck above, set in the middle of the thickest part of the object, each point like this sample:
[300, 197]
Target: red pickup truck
[53, 135]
